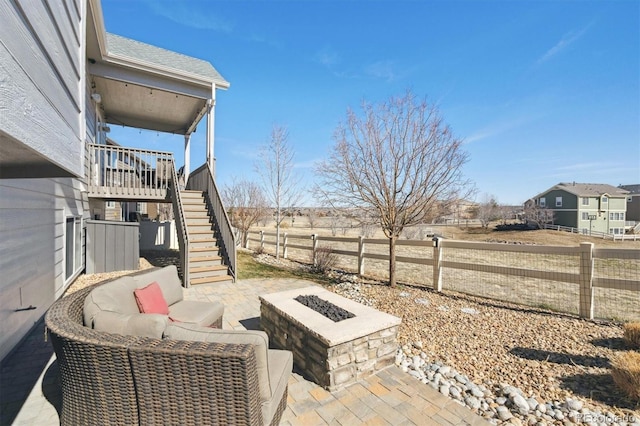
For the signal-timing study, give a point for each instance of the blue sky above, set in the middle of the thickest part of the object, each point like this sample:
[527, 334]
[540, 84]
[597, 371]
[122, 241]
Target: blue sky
[541, 91]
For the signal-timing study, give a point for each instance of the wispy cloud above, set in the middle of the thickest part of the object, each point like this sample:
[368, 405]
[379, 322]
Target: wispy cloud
[326, 57]
[258, 38]
[190, 16]
[498, 128]
[309, 164]
[383, 70]
[582, 166]
[567, 40]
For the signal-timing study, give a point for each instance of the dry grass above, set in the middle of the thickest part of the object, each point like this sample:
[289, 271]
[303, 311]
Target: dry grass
[626, 374]
[632, 334]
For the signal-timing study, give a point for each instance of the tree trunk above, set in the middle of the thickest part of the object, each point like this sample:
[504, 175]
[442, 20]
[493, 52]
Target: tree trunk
[278, 234]
[392, 261]
[245, 238]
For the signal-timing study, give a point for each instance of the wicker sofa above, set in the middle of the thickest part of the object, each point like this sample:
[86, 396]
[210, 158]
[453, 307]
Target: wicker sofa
[193, 375]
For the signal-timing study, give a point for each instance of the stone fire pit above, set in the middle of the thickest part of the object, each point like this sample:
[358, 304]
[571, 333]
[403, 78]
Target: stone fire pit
[332, 354]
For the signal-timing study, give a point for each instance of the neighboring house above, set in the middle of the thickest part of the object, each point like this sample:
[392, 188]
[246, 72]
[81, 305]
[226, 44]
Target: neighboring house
[63, 79]
[589, 207]
[633, 202]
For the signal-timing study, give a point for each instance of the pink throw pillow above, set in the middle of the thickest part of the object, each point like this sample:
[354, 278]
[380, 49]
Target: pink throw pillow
[150, 300]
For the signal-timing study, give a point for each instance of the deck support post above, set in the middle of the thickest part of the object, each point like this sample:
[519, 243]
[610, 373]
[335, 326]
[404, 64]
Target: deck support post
[211, 106]
[187, 157]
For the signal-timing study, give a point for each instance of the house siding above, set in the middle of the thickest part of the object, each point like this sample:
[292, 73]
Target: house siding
[33, 216]
[42, 110]
[42, 75]
[633, 208]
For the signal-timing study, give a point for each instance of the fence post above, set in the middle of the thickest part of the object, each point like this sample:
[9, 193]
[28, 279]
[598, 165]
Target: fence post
[261, 241]
[361, 255]
[437, 270]
[314, 249]
[586, 280]
[284, 246]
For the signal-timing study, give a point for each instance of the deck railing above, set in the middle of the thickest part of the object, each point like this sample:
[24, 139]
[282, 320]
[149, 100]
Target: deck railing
[202, 180]
[598, 234]
[119, 172]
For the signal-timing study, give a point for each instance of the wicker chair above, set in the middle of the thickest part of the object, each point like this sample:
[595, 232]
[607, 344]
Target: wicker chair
[124, 380]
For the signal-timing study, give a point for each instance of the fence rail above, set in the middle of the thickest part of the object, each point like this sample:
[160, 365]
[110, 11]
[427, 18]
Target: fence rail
[598, 234]
[591, 282]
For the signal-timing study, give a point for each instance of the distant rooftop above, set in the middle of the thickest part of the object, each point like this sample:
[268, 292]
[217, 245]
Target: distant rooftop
[590, 189]
[633, 189]
[158, 56]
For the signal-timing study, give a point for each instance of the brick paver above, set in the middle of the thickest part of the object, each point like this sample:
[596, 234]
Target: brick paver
[29, 394]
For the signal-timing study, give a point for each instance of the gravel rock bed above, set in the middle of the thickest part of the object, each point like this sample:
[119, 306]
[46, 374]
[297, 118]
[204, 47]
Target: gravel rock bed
[510, 364]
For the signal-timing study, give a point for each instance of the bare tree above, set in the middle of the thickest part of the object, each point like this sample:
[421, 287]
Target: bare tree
[396, 162]
[280, 183]
[487, 210]
[312, 217]
[247, 205]
[535, 214]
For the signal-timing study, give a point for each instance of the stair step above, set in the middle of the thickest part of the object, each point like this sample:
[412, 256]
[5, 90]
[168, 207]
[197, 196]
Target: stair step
[208, 269]
[197, 259]
[191, 221]
[203, 214]
[211, 280]
[203, 237]
[199, 229]
[202, 249]
[192, 202]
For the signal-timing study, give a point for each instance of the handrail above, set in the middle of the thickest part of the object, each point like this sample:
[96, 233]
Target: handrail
[181, 226]
[201, 179]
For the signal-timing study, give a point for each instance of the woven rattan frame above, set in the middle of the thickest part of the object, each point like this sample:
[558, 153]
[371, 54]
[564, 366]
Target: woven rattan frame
[109, 379]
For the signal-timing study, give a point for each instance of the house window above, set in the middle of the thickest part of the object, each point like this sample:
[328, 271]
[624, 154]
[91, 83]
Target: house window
[605, 199]
[543, 202]
[585, 215]
[558, 201]
[111, 204]
[585, 201]
[73, 245]
[616, 216]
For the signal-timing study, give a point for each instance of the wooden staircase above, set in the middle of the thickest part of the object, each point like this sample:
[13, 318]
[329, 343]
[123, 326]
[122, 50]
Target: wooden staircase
[206, 266]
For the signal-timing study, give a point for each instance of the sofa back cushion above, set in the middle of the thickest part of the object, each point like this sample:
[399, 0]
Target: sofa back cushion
[144, 325]
[113, 296]
[168, 280]
[259, 340]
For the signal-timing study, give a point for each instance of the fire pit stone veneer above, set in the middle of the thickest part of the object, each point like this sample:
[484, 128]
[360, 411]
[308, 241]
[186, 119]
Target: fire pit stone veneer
[332, 354]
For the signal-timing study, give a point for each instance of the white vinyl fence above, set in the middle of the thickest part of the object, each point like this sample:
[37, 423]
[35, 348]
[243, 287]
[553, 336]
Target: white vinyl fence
[585, 280]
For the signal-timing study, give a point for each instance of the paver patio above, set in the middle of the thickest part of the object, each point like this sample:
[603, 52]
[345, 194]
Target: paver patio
[29, 393]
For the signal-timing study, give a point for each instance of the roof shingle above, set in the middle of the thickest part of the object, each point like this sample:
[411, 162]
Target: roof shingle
[140, 51]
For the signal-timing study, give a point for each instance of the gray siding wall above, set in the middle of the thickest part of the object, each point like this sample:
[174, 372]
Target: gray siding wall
[633, 208]
[33, 214]
[42, 78]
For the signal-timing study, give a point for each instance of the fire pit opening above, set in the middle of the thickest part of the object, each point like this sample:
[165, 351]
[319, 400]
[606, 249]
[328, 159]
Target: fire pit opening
[328, 309]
